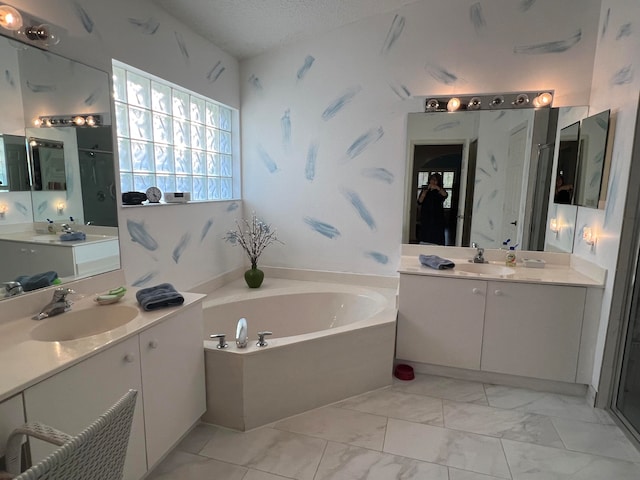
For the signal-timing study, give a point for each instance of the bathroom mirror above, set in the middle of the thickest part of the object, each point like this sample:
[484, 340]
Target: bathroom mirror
[47, 164]
[14, 167]
[54, 169]
[500, 166]
[594, 131]
[567, 164]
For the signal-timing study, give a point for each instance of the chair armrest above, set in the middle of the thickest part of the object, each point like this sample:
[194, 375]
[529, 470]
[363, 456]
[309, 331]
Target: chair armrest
[32, 429]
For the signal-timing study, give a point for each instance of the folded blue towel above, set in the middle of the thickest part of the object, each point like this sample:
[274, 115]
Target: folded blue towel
[70, 237]
[163, 295]
[39, 280]
[436, 262]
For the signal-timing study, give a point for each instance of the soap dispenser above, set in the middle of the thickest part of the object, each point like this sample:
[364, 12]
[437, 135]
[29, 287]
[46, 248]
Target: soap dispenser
[242, 336]
[510, 259]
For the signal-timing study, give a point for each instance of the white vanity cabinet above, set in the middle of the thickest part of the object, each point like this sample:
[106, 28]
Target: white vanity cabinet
[533, 330]
[172, 362]
[73, 259]
[165, 363]
[23, 258]
[75, 397]
[440, 320]
[11, 416]
[515, 328]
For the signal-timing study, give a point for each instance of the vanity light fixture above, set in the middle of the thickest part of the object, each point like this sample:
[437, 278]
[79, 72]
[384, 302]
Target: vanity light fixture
[3, 210]
[85, 120]
[492, 101]
[10, 18]
[588, 236]
[27, 28]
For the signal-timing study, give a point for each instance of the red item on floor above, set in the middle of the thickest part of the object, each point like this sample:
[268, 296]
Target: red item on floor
[404, 372]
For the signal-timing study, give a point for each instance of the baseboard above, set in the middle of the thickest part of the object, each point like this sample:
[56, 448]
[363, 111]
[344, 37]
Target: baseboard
[551, 386]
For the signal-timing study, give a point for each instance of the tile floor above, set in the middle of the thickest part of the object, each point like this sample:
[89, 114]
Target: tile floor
[429, 428]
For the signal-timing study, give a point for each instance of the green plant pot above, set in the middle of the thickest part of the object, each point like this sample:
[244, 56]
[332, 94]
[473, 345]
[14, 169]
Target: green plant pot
[254, 277]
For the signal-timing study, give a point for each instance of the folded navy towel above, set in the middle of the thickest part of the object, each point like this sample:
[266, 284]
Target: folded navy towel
[163, 295]
[70, 237]
[436, 262]
[39, 280]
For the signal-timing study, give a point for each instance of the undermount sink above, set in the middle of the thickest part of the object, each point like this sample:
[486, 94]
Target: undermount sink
[83, 323]
[484, 268]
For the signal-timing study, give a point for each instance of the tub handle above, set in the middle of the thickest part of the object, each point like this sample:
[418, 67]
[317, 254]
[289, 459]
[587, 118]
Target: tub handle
[261, 341]
[221, 341]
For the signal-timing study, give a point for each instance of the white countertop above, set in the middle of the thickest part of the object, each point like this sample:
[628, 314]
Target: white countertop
[53, 238]
[26, 361]
[552, 273]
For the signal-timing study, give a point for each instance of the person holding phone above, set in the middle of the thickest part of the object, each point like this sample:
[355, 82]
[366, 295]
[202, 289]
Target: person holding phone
[431, 201]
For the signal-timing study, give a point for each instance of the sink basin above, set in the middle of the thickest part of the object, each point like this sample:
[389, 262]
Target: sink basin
[484, 268]
[83, 323]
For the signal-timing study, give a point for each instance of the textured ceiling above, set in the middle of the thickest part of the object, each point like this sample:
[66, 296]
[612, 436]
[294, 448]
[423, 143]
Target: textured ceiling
[246, 28]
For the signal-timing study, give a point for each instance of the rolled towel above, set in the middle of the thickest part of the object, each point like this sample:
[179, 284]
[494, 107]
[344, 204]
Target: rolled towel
[39, 280]
[73, 236]
[163, 295]
[436, 262]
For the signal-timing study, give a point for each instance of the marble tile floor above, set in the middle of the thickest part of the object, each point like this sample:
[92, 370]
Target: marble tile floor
[428, 428]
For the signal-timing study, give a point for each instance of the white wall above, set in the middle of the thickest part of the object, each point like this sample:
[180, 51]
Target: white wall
[615, 86]
[315, 185]
[181, 244]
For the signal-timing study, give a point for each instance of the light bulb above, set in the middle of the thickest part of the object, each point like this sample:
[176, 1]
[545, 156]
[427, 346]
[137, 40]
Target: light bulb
[543, 100]
[91, 121]
[79, 120]
[474, 104]
[432, 105]
[521, 100]
[10, 18]
[37, 122]
[453, 104]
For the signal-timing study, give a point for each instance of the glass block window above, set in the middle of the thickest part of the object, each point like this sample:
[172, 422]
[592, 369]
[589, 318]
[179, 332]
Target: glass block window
[171, 138]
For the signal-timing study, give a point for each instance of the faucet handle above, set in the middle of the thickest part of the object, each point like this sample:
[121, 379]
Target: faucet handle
[261, 341]
[221, 340]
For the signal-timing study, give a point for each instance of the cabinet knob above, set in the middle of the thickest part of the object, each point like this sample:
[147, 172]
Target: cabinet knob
[153, 344]
[497, 292]
[129, 358]
[477, 291]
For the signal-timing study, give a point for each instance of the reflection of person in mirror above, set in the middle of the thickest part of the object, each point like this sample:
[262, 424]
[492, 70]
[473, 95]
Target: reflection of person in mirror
[431, 201]
[564, 192]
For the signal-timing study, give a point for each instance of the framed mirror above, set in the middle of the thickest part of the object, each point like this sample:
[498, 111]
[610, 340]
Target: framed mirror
[592, 140]
[54, 167]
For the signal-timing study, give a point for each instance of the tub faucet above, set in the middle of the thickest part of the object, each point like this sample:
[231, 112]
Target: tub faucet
[479, 256]
[242, 337]
[58, 304]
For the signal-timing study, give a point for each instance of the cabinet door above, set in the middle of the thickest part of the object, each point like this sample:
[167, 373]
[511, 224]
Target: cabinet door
[172, 360]
[75, 397]
[533, 330]
[440, 320]
[11, 416]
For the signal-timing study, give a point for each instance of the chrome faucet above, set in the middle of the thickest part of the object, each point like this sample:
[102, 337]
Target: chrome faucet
[12, 288]
[58, 304]
[479, 256]
[66, 228]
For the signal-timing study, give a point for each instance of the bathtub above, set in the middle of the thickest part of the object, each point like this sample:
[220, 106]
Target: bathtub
[329, 342]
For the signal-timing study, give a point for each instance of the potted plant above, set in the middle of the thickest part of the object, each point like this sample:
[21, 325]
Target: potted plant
[253, 236]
